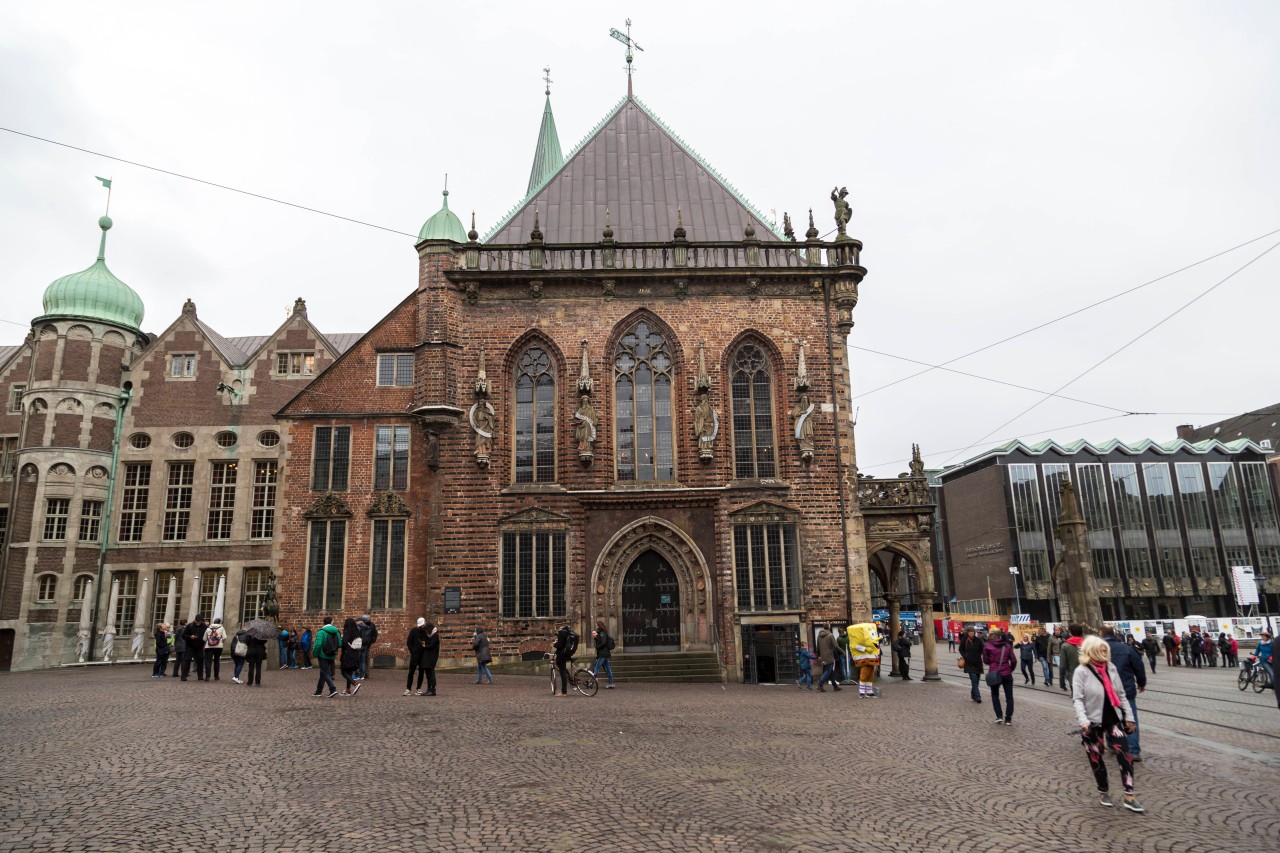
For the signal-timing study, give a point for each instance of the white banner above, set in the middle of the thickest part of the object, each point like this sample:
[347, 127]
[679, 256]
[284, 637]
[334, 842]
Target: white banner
[1246, 586]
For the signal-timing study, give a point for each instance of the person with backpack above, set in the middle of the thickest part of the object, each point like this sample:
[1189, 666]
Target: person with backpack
[566, 646]
[604, 651]
[304, 649]
[194, 635]
[239, 648]
[1150, 648]
[325, 647]
[480, 645]
[214, 636]
[255, 654]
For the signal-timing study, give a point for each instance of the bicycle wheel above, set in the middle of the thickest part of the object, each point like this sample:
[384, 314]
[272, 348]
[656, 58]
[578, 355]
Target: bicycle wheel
[585, 683]
[1242, 680]
[1261, 682]
[555, 679]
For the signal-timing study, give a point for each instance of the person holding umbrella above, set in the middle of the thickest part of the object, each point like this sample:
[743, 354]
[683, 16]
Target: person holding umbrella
[257, 634]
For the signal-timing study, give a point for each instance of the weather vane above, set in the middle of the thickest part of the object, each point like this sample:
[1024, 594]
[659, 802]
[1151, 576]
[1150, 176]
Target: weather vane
[546, 77]
[626, 39]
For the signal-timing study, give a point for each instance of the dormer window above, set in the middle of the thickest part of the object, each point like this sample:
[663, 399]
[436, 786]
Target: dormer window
[182, 365]
[295, 363]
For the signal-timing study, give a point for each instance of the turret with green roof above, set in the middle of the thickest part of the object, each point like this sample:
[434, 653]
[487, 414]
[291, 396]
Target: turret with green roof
[443, 225]
[94, 293]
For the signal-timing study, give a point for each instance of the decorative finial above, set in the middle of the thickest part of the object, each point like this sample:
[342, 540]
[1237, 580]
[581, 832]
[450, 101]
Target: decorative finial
[299, 307]
[608, 230]
[679, 232]
[535, 236]
[546, 77]
[482, 378]
[473, 235]
[703, 383]
[812, 233]
[626, 39]
[802, 371]
[585, 383]
[749, 233]
[188, 309]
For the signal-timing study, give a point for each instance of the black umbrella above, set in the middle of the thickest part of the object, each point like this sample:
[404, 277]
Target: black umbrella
[261, 629]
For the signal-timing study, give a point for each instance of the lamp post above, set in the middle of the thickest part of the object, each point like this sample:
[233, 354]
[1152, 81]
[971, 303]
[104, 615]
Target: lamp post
[1013, 570]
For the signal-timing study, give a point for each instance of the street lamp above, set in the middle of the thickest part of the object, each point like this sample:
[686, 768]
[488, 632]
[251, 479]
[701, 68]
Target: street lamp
[1013, 570]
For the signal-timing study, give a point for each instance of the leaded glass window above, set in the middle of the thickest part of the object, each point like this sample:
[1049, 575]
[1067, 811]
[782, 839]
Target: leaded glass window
[326, 564]
[533, 574]
[535, 420]
[753, 439]
[766, 565]
[643, 379]
[386, 582]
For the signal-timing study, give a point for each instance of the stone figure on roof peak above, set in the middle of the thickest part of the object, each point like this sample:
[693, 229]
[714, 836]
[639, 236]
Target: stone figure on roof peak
[842, 207]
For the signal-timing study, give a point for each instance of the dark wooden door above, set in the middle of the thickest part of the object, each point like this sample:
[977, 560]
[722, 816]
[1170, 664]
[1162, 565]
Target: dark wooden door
[650, 606]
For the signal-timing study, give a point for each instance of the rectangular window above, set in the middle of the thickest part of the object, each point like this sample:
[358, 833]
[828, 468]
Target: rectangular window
[1104, 564]
[1261, 506]
[160, 601]
[8, 457]
[1124, 479]
[209, 591]
[326, 563]
[1138, 562]
[262, 523]
[1024, 483]
[55, 519]
[1205, 562]
[253, 593]
[386, 582]
[1160, 496]
[1034, 565]
[1055, 475]
[133, 501]
[766, 566]
[395, 369]
[1268, 563]
[126, 602]
[1238, 557]
[330, 459]
[182, 365]
[1195, 505]
[1172, 563]
[222, 500]
[533, 574]
[90, 520]
[4, 526]
[391, 459]
[15, 397]
[1093, 494]
[177, 501]
[47, 589]
[1226, 497]
[295, 363]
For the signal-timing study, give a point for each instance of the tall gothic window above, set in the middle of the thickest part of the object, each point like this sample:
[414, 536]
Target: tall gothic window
[643, 377]
[535, 443]
[753, 441]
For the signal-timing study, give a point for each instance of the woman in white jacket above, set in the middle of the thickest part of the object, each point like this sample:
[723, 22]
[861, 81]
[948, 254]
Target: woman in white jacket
[1103, 715]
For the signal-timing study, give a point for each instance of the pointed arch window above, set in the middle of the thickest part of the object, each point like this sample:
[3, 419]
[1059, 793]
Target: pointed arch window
[535, 417]
[754, 451]
[643, 371]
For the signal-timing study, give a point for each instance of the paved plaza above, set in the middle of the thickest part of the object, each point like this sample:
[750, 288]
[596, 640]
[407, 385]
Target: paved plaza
[106, 758]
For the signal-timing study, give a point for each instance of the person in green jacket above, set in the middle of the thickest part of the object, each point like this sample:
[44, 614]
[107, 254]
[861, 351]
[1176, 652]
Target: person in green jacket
[326, 659]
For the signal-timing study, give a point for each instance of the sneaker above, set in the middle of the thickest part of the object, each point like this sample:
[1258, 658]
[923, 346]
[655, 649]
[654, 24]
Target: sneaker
[1008, 722]
[236, 680]
[999, 721]
[420, 693]
[1132, 804]
[332, 694]
[408, 693]
[1135, 758]
[610, 686]
[431, 693]
[1106, 800]
[356, 689]
[317, 695]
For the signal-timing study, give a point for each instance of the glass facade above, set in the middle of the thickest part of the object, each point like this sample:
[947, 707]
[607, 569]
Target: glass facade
[1055, 474]
[1033, 557]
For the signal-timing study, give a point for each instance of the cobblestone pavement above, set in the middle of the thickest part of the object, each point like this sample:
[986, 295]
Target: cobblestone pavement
[110, 759]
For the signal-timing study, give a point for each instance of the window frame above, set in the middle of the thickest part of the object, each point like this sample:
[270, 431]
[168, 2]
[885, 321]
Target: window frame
[8, 456]
[253, 592]
[331, 573]
[518, 569]
[658, 466]
[262, 511]
[541, 375]
[43, 579]
[182, 365]
[752, 541]
[161, 593]
[126, 602]
[223, 474]
[391, 458]
[326, 482]
[209, 591]
[396, 362]
[55, 523]
[16, 393]
[78, 584]
[178, 500]
[134, 502]
[386, 579]
[90, 520]
[303, 360]
[752, 466]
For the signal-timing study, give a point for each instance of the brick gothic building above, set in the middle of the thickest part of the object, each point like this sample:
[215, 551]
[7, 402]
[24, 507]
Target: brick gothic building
[130, 459]
[629, 402]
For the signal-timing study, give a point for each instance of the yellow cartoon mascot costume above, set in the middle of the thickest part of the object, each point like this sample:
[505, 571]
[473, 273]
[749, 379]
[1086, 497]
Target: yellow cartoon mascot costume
[864, 648]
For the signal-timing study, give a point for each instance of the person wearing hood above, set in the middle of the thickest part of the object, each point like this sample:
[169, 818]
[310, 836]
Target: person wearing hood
[416, 643]
[827, 654]
[999, 656]
[349, 662]
[325, 658]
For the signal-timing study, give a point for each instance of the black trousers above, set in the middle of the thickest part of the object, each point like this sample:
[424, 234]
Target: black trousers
[196, 656]
[431, 678]
[415, 665]
[563, 666]
[212, 662]
[162, 663]
[255, 671]
[904, 666]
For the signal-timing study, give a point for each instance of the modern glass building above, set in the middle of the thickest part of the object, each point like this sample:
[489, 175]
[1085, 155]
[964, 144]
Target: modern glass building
[1166, 522]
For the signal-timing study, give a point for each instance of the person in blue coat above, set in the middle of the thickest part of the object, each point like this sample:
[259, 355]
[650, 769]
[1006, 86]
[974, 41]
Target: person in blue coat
[1133, 674]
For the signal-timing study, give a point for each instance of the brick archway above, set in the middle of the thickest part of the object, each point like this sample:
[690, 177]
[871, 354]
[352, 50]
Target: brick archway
[652, 533]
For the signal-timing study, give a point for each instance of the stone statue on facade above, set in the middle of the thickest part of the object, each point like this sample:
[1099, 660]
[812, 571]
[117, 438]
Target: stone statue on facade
[803, 416]
[585, 430]
[843, 211]
[917, 464]
[484, 421]
[706, 426]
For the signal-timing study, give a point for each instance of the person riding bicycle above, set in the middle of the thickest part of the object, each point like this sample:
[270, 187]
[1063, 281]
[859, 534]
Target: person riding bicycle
[566, 645]
[1264, 653]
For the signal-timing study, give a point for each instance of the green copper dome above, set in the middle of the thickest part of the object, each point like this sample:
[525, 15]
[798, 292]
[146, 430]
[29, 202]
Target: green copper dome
[95, 293]
[445, 225]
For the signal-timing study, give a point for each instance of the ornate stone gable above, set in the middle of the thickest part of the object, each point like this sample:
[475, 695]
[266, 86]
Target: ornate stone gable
[533, 517]
[763, 512]
[388, 504]
[328, 505]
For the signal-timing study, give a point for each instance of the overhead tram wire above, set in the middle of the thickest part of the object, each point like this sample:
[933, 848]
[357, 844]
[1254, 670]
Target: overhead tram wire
[208, 183]
[1066, 316]
[1130, 343]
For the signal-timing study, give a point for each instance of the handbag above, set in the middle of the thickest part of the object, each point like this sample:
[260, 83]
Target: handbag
[960, 663]
[994, 678]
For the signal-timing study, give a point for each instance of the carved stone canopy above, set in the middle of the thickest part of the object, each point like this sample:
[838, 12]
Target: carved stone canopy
[534, 518]
[328, 505]
[763, 512]
[388, 504]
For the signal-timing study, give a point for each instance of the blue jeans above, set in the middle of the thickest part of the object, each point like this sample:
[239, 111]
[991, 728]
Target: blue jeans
[806, 677]
[602, 663]
[1135, 748]
[482, 673]
[1007, 683]
[1047, 667]
[239, 662]
[974, 693]
[284, 651]
[363, 671]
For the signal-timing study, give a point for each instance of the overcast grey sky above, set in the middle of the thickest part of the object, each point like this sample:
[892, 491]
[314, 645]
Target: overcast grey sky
[1007, 163]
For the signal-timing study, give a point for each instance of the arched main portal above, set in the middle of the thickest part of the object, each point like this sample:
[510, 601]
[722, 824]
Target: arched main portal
[652, 587]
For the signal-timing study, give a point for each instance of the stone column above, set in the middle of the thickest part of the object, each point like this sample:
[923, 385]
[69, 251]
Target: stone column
[895, 622]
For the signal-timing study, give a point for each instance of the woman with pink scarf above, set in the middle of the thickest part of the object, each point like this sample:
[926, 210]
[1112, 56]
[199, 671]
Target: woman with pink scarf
[1103, 716]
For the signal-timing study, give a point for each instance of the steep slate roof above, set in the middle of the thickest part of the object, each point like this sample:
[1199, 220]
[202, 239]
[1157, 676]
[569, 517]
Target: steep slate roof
[635, 166]
[7, 351]
[1259, 425]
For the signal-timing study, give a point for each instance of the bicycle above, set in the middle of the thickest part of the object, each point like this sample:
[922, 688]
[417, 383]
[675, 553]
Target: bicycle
[1253, 672]
[581, 680]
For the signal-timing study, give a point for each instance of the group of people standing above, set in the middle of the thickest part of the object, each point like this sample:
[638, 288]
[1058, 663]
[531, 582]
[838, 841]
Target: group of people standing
[202, 644]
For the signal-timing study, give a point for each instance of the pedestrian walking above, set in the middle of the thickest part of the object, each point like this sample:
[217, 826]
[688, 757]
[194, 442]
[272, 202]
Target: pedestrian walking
[255, 654]
[951, 641]
[804, 661]
[480, 645]
[1133, 677]
[349, 662]
[325, 647]
[194, 635]
[864, 644]
[1185, 645]
[430, 657]
[1103, 718]
[998, 654]
[902, 646]
[179, 646]
[971, 654]
[368, 636]
[214, 638]
[415, 643]
[605, 644]
[1151, 648]
[162, 650]
[1027, 657]
[1042, 655]
[304, 649]
[827, 654]
[565, 645]
[1170, 643]
[239, 649]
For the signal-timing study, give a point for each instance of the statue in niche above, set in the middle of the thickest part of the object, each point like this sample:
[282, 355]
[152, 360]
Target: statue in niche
[706, 425]
[585, 430]
[484, 420]
[803, 415]
[433, 450]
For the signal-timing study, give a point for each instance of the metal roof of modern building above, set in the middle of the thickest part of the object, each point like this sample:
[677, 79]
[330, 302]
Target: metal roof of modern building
[638, 169]
[1104, 447]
